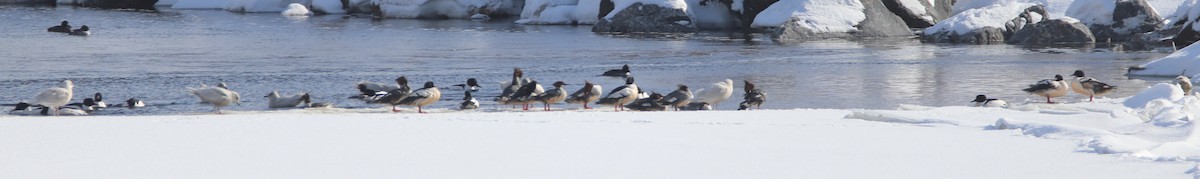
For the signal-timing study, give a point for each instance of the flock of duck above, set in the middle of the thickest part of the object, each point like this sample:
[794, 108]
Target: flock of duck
[1081, 84]
[66, 28]
[520, 90]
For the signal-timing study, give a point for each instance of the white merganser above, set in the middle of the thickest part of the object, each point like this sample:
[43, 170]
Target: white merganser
[621, 95]
[217, 96]
[274, 100]
[623, 72]
[55, 97]
[754, 97]
[468, 101]
[679, 98]
[1049, 88]
[590, 92]
[556, 95]
[422, 97]
[983, 101]
[1089, 86]
[715, 93]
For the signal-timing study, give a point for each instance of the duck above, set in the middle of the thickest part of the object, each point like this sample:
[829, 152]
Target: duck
[1089, 86]
[134, 103]
[556, 95]
[55, 97]
[368, 89]
[715, 93]
[99, 101]
[274, 100]
[984, 101]
[422, 97]
[623, 72]
[1049, 88]
[64, 28]
[754, 97]
[679, 98]
[392, 97]
[82, 31]
[1184, 83]
[510, 87]
[468, 101]
[219, 96]
[590, 92]
[471, 85]
[651, 103]
[621, 95]
[527, 94]
[698, 106]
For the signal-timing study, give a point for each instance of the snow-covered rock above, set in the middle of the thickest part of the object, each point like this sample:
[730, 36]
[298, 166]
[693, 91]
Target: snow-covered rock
[296, 9]
[662, 16]
[919, 13]
[201, 4]
[260, 6]
[560, 12]
[1055, 31]
[1165, 91]
[809, 19]
[112, 4]
[1115, 21]
[710, 14]
[454, 9]
[1185, 60]
[979, 25]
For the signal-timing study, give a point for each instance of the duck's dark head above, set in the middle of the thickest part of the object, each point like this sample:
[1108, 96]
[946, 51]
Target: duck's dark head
[306, 98]
[403, 81]
[98, 97]
[625, 68]
[89, 102]
[429, 84]
[980, 98]
[1078, 73]
[131, 102]
[629, 81]
[587, 86]
[472, 82]
[23, 105]
[1058, 78]
[83, 28]
[656, 96]
[518, 73]
[559, 84]
[64, 23]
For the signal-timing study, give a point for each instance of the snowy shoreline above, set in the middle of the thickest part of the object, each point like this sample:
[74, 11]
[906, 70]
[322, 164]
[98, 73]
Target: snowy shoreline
[1104, 139]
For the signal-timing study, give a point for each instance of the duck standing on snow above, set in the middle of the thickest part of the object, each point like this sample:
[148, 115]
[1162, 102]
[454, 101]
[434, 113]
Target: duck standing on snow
[1185, 83]
[64, 28]
[369, 89]
[650, 103]
[82, 31]
[983, 101]
[422, 97]
[468, 101]
[55, 97]
[472, 85]
[716, 93]
[219, 96]
[679, 98]
[623, 72]
[556, 95]
[525, 95]
[510, 87]
[754, 97]
[620, 95]
[1049, 88]
[274, 100]
[1089, 86]
[590, 92]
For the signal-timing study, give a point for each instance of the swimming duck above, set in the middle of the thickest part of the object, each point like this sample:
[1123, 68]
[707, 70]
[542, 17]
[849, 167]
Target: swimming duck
[621, 95]
[983, 101]
[590, 92]
[64, 28]
[422, 97]
[623, 72]
[1049, 88]
[99, 101]
[368, 89]
[82, 31]
[1089, 86]
[472, 85]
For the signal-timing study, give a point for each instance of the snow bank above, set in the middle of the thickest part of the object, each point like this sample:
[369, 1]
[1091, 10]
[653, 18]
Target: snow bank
[1092, 11]
[296, 9]
[560, 12]
[712, 15]
[1183, 60]
[995, 15]
[818, 15]
[1170, 92]
[916, 7]
[201, 4]
[620, 5]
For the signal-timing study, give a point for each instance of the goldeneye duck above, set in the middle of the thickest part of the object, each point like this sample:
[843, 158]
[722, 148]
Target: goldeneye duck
[623, 72]
[64, 28]
[983, 101]
[82, 31]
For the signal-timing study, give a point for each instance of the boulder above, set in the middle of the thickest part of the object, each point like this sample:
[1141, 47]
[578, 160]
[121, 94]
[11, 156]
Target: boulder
[43, 2]
[980, 26]
[879, 22]
[640, 17]
[1129, 17]
[985, 35]
[114, 4]
[919, 13]
[1057, 31]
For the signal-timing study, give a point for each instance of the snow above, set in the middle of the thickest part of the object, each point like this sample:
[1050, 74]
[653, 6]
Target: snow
[560, 12]
[916, 7]
[995, 15]
[1185, 10]
[256, 6]
[1092, 11]
[296, 9]
[201, 4]
[1184, 60]
[328, 6]
[1032, 140]
[620, 5]
[713, 15]
[1165, 8]
[818, 15]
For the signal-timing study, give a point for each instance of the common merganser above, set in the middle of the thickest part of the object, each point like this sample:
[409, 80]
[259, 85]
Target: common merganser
[679, 98]
[698, 106]
[472, 85]
[525, 95]
[368, 89]
[510, 87]
[623, 72]
[392, 97]
[1089, 86]
[82, 31]
[55, 97]
[274, 100]
[219, 96]
[468, 101]
[422, 97]
[983, 101]
[621, 95]
[715, 93]
[64, 28]
[650, 103]
[1049, 88]
[556, 95]
[754, 97]
[590, 92]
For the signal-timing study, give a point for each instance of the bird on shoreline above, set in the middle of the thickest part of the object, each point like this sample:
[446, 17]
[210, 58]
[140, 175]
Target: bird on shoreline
[422, 97]
[1089, 86]
[526, 95]
[55, 97]
[219, 96]
[471, 85]
[468, 101]
[679, 98]
[368, 89]
[650, 103]
[623, 72]
[510, 87]
[1184, 83]
[754, 97]
[556, 95]
[983, 101]
[274, 100]
[590, 92]
[715, 93]
[1049, 88]
[621, 95]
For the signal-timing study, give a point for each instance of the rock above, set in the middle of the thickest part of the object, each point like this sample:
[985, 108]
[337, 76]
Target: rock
[879, 23]
[115, 4]
[1055, 31]
[949, 31]
[43, 2]
[920, 15]
[646, 18]
[1129, 17]
[745, 15]
[985, 35]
